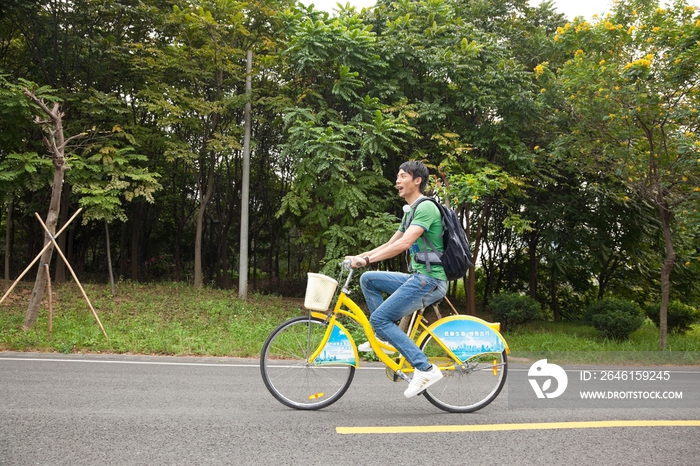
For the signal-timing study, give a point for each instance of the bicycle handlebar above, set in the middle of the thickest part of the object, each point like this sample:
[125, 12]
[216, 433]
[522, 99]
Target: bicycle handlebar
[347, 265]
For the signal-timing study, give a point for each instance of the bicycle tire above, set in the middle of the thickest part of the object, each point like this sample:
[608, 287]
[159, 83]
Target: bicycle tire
[468, 388]
[287, 374]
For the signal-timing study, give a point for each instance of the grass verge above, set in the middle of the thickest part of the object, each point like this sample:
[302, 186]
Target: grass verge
[167, 318]
[176, 319]
[575, 343]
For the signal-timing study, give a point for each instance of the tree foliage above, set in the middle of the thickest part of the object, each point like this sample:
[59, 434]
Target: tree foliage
[631, 82]
[569, 148]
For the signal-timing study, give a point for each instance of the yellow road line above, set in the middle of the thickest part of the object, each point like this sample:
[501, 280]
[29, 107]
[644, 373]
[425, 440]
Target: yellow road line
[496, 427]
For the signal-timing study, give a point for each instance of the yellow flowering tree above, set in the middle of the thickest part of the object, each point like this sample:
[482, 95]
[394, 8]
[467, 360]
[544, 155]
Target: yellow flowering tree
[631, 93]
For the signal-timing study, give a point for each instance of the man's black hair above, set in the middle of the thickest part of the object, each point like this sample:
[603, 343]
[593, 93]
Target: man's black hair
[416, 169]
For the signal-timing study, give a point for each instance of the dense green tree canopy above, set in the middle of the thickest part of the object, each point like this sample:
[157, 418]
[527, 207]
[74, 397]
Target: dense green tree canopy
[571, 149]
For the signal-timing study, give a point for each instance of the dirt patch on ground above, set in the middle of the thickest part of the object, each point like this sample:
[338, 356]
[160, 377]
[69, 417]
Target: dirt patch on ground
[19, 296]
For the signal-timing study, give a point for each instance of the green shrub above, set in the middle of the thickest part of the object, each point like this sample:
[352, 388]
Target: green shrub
[679, 317]
[615, 318]
[513, 309]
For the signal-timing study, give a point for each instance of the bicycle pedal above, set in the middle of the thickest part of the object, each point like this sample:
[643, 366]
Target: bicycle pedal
[392, 375]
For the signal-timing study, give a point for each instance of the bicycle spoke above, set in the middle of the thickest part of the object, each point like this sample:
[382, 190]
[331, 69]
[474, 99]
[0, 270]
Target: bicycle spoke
[468, 386]
[287, 373]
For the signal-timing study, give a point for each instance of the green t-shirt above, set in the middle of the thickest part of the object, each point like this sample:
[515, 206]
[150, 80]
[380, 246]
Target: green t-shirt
[427, 217]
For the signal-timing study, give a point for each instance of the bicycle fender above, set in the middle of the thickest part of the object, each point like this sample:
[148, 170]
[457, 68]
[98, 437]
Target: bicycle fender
[467, 336]
[340, 348]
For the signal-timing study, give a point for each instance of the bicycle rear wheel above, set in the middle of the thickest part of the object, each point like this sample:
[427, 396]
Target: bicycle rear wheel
[469, 387]
[288, 375]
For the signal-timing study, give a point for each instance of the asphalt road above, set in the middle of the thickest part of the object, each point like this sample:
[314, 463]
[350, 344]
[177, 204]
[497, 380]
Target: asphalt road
[133, 410]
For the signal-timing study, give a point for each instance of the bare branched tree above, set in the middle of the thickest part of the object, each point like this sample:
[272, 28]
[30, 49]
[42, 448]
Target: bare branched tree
[56, 143]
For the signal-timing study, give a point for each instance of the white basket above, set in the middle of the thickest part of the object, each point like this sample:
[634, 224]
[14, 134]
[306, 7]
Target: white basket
[319, 292]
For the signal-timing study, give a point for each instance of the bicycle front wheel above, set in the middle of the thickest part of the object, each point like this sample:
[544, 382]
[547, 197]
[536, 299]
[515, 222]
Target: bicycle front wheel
[289, 376]
[467, 387]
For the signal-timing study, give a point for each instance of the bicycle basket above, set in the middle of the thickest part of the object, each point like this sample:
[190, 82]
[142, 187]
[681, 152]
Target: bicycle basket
[319, 291]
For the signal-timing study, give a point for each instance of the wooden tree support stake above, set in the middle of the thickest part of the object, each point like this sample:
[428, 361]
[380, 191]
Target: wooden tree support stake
[38, 256]
[53, 240]
[75, 277]
[454, 311]
[48, 284]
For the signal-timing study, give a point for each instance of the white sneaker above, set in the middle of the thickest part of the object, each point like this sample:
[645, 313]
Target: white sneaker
[422, 380]
[367, 348]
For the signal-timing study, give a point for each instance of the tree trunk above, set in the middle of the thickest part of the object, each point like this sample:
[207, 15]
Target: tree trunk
[59, 275]
[553, 295]
[204, 200]
[8, 240]
[470, 282]
[532, 245]
[109, 258]
[51, 221]
[177, 257]
[665, 269]
[198, 246]
[123, 259]
[136, 222]
[56, 144]
[223, 258]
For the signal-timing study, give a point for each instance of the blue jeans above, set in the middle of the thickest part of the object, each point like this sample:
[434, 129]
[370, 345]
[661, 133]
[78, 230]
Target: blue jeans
[407, 293]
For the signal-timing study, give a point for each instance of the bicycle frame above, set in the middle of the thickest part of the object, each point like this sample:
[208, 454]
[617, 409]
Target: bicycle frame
[308, 362]
[345, 306]
[355, 313]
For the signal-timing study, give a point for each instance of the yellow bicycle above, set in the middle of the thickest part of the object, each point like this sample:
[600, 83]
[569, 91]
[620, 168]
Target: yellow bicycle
[308, 362]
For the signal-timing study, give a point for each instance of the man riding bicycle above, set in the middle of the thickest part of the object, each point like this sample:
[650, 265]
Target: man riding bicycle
[407, 292]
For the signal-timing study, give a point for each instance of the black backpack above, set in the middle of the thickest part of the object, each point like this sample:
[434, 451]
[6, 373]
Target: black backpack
[456, 257]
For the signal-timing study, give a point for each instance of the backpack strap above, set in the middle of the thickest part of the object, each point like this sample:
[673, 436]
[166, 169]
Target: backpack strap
[426, 241]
